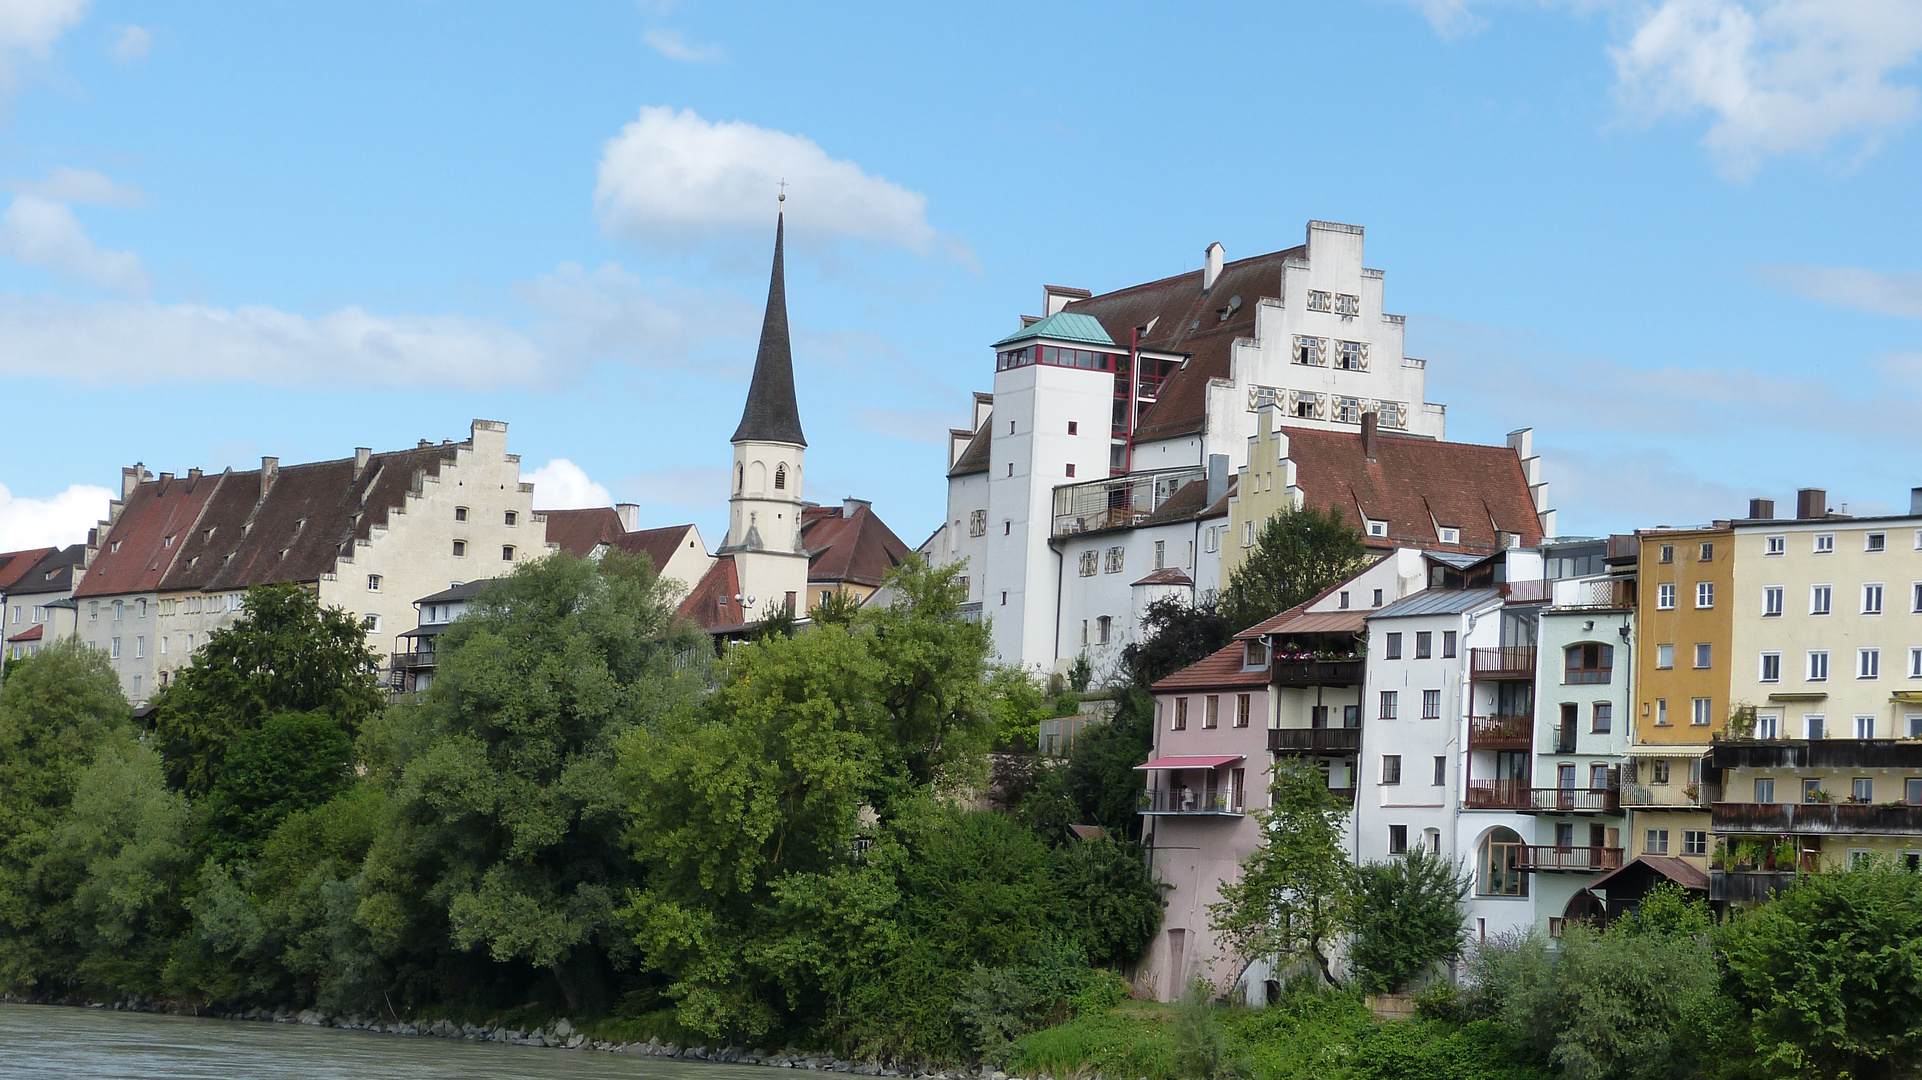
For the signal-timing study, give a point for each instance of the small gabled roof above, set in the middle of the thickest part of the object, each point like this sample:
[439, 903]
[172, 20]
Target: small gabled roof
[52, 574]
[712, 605]
[849, 544]
[1438, 602]
[1297, 621]
[659, 545]
[1064, 326]
[975, 458]
[31, 633]
[1170, 575]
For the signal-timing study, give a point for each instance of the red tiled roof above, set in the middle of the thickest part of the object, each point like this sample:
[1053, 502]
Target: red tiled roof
[148, 536]
[659, 545]
[31, 633]
[856, 548]
[579, 532]
[1187, 321]
[1172, 575]
[15, 565]
[1415, 484]
[1220, 669]
[712, 605]
[1297, 621]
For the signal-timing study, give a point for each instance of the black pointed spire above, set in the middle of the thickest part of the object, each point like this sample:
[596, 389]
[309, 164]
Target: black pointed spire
[771, 414]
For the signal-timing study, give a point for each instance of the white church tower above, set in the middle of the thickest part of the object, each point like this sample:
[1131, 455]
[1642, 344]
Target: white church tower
[764, 513]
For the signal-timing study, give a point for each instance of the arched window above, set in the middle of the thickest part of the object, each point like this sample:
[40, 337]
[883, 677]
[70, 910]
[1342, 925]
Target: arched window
[740, 477]
[1589, 662]
[780, 477]
[1500, 872]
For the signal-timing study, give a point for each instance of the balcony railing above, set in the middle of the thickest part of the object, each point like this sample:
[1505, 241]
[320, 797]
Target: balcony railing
[1317, 673]
[1499, 795]
[1117, 502]
[1577, 858]
[1501, 732]
[1575, 800]
[1204, 802]
[1509, 662]
[1664, 796]
[1842, 819]
[413, 660]
[1314, 740]
[1601, 595]
[1748, 884]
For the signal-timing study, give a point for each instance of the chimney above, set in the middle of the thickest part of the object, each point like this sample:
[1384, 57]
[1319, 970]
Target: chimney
[166, 478]
[1811, 504]
[193, 476]
[1761, 509]
[851, 507]
[1915, 501]
[630, 515]
[269, 472]
[362, 455]
[130, 479]
[1212, 269]
[1368, 422]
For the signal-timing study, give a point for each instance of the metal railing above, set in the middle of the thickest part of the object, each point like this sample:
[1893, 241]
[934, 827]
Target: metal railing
[1501, 732]
[1499, 795]
[1575, 800]
[1511, 661]
[1605, 594]
[1663, 796]
[1214, 802]
[1117, 502]
[1576, 857]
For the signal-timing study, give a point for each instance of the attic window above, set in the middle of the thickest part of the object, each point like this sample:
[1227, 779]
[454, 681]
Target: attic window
[168, 542]
[207, 534]
[1451, 536]
[116, 546]
[1377, 528]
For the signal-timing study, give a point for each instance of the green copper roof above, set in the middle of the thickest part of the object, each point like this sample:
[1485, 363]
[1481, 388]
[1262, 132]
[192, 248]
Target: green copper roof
[1063, 326]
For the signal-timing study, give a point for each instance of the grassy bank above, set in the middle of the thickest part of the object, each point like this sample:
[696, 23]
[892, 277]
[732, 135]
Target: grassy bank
[1323, 1036]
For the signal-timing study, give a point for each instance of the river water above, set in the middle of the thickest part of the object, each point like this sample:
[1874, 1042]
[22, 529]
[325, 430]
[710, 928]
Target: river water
[48, 1042]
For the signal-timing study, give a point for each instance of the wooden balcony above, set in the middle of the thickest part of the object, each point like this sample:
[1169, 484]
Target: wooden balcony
[1748, 884]
[1499, 795]
[1578, 858]
[1574, 801]
[1314, 740]
[1816, 819]
[1317, 673]
[1512, 662]
[1501, 732]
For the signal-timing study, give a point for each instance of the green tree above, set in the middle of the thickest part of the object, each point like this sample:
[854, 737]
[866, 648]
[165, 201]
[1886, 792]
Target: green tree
[1098, 785]
[1297, 554]
[1406, 918]
[1114, 904]
[1295, 892]
[1829, 974]
[1175, 634]
[291, 762]
[56, 709]
[507, 819]
[284, 654]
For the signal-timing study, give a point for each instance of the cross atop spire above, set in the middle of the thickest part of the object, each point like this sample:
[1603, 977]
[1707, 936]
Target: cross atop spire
[771, 414]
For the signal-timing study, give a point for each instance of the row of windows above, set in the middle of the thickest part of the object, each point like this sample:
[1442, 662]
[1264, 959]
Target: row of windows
[1819, 544]
[1430, 704]
[1347, 355]
[511, 517]
[1340, 303]
[1821, 598]
[1701, 711]
[1391, 770]
[140, 646]
[192, 605]
[1211, 711]
[1770, 725]
[1424, 640]
[460, 552]
[20, 613]
[1861, 790]
[1694, 842]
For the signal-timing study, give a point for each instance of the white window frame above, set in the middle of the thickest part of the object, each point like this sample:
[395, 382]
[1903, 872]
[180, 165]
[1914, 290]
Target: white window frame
[1772, 601]
[1815, 725]
[1704, 656]
[1872, 596]
[1665, 596]
[1875, 542]
[1704, 595]
[1864, 725]
[1915, 662]
[1868, 663]
[1821, 599]
[1818, 665]
[1764, 675]
[1775, 545]
[1701, 711]
[1664, 657]
[1824, 544]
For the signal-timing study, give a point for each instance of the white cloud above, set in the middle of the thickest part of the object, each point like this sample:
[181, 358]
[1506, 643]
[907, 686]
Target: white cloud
[86, 186]
[132, 44]
[612, 314]
[1450, 18]
[136, 342]
[671, 44]
[30, 27]
[562, 485]
[1850, 287]
[671, 178]
[43, 233]
[56, 522]
[1778, 75]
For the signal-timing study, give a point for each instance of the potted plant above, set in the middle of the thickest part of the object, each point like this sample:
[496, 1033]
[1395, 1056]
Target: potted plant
[1818, 795]
[1748, 855]
[1784, 855]
[1693, 791]
[1719, 859]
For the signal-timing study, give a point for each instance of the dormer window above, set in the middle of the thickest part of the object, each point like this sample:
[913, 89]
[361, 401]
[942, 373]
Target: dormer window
[1254, 655]
[116, 547]
[1377, 529]
[1451, 536]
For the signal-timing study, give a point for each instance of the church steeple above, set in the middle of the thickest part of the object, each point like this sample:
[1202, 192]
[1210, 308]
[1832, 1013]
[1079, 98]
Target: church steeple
[771, 414]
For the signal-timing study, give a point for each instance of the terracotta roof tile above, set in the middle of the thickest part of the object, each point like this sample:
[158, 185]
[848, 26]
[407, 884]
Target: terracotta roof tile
[712, 605]
[659, 545]
[1415, 484]
[1187, 321]
[15, 565]
[51, 574]
[857, 548]
[1219, 670]
[147, 538]
[579, 532]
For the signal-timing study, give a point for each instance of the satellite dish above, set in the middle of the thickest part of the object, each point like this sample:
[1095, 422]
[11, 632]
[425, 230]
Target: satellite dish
[1234, 304]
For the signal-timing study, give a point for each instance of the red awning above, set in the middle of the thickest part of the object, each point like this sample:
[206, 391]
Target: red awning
[1209, 761]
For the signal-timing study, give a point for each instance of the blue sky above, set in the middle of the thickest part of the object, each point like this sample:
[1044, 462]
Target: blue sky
[1678, 237]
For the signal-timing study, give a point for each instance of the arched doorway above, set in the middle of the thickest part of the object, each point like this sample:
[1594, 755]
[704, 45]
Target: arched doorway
[1499, 870]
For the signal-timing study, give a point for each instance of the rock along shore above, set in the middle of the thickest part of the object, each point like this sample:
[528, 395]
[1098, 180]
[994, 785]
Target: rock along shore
[560, 1035]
